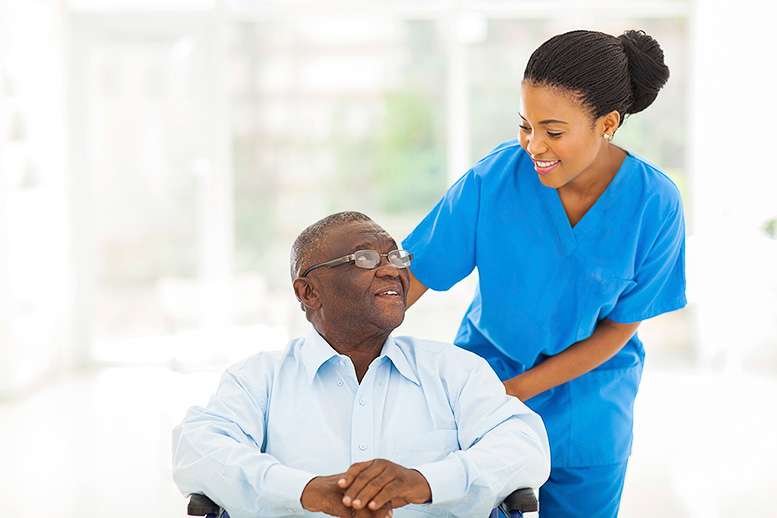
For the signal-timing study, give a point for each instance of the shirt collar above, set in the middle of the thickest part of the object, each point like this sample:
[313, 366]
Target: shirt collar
[316, 352]
[398, 357]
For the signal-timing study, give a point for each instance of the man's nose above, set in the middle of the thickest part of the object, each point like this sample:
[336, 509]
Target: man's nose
[386, 269]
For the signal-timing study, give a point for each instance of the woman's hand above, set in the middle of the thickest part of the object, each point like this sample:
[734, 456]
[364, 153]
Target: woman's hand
[607, 339]
[514, 387]
[415, 291]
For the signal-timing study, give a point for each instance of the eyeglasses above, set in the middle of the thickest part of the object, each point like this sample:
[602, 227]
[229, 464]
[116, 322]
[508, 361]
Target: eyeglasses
[367, 259]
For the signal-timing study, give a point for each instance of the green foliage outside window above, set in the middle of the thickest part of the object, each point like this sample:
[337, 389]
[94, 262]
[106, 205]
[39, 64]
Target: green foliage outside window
[401, 166]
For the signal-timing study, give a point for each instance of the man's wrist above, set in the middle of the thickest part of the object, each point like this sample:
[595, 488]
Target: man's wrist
[307, 499]
[424, 490]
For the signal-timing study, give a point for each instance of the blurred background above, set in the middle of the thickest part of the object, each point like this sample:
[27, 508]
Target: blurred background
[157, 159]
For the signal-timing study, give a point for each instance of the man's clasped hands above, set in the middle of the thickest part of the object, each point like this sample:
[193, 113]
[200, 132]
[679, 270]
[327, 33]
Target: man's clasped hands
[369, 489]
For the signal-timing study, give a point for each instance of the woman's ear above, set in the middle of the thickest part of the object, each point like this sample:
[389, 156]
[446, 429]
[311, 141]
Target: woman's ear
[306, 293]
[610, 122]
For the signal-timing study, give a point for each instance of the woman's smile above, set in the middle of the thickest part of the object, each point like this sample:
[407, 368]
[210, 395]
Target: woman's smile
[544, 167]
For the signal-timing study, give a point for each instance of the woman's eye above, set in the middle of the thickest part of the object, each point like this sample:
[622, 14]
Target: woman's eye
[525, 128]
[554, 135]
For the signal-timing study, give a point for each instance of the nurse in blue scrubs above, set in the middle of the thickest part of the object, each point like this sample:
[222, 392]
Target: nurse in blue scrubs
[576, 241]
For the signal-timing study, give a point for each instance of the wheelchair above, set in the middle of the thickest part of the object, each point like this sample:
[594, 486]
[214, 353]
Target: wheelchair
[518, 502]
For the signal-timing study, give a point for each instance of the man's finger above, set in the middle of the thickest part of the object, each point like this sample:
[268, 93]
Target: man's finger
[384, 512]
[361, 481]
[390, 496]
[373, 487]
[336, 508]
[351, 473]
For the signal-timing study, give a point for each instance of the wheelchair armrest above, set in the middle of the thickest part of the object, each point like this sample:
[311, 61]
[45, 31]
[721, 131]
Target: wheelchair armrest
[522, 500]
[201, 505]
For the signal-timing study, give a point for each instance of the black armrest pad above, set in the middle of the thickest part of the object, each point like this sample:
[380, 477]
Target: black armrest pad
[200, 505]
[521, 500]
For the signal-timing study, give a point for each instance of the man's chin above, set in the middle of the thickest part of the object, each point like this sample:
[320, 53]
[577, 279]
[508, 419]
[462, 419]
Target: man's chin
[390, 320]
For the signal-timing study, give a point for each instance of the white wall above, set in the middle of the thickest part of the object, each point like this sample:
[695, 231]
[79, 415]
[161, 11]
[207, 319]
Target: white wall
[732, 265]
[34, 283]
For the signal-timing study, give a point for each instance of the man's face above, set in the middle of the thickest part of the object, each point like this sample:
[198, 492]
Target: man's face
[355, 298]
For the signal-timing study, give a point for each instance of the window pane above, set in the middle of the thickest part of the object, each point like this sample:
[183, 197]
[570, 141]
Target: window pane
[342, 115]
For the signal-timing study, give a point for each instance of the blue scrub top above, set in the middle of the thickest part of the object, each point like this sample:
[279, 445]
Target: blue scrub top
[544, 285]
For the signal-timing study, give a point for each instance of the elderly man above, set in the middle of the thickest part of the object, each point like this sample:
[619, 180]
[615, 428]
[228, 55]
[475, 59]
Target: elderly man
[351, 421]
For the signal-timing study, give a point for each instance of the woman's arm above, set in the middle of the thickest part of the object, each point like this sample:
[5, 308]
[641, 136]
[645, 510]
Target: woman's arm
[415, 291]
[607, 339]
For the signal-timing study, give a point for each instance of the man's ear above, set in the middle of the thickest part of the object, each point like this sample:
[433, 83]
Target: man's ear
[306, 293]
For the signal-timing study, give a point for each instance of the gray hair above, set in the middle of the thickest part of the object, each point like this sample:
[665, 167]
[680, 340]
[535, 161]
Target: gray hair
[308, 243]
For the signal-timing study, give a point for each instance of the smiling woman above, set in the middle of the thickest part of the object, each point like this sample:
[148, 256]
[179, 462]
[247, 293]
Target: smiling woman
[569, 153]
[576, 241]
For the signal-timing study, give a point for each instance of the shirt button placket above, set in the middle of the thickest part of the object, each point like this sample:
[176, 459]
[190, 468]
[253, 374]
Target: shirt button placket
[362, 424]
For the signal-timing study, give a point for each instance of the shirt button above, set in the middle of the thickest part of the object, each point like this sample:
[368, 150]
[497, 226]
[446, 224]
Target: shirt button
[362, 447]
[339, 383]
[362, 402]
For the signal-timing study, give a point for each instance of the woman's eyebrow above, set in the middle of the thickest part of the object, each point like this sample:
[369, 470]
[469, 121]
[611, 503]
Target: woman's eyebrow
[548, 121]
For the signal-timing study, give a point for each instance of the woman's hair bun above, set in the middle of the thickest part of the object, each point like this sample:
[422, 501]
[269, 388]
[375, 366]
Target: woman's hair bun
[646, 67]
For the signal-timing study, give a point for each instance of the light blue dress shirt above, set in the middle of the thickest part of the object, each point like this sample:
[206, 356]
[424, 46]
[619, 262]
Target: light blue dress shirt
[279, 419]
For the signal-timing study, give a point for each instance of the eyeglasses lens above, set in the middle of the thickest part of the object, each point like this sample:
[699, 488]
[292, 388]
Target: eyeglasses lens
[399, 258]
[366, 258]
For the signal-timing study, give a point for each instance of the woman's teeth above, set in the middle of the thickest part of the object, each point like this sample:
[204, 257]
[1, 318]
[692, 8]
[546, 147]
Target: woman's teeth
[544, 164]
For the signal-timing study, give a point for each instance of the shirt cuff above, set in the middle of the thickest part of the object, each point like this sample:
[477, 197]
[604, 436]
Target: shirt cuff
[286, 485]
[447, 479]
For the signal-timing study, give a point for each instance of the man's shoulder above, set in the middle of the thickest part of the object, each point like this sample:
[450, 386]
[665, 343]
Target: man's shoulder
[264, 363]
[439, 354]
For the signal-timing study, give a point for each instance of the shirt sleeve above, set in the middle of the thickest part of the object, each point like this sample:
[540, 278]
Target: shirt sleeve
[443, 243]
[504, 447]
[660, 279]
[217, 452]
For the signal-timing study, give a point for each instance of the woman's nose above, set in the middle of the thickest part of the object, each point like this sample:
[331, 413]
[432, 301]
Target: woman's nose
[536, 147]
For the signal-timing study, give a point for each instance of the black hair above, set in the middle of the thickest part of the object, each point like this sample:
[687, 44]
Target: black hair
[307, 244]
[604, 73]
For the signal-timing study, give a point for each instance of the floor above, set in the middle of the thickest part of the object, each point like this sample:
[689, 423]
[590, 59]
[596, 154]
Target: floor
[98, 444]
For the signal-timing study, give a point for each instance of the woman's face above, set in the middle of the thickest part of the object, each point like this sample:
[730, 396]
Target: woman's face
[558, 133]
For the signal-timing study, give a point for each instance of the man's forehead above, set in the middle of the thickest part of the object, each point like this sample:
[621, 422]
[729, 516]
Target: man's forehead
[357, 233]
[369, 229]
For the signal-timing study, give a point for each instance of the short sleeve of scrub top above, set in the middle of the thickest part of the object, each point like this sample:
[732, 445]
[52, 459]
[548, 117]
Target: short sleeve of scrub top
[658, 276]
[452, 226]
[544, 285]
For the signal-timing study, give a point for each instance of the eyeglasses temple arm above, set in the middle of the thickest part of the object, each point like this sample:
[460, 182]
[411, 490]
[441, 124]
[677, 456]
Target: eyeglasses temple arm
[333, 262]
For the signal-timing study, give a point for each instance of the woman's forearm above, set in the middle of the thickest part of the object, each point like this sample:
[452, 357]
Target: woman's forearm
[415, 290]
[607, 339]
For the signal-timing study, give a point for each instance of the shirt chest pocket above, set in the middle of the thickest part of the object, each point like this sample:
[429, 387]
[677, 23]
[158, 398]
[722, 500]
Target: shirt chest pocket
[412, 449]
[605, 287]
[598, 291]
